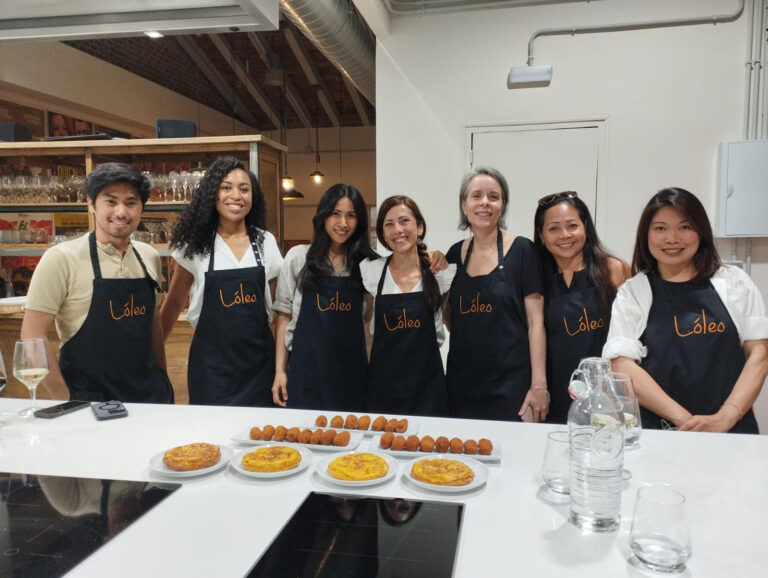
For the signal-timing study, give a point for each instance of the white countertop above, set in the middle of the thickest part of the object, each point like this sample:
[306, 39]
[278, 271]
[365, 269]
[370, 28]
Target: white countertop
[219, 525]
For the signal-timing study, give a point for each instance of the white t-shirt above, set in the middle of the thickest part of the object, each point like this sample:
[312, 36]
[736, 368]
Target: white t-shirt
[632, 305]
[370, 270]
[224, 258]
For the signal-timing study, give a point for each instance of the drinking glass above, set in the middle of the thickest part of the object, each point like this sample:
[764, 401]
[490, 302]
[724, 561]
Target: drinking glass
[659, 534]
[2, 373]
[633, 425]
[556, 467]
[30, 366]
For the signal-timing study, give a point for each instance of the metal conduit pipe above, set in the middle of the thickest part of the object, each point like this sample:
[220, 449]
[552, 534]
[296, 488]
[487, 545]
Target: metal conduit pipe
[340, 36]
[631, 26]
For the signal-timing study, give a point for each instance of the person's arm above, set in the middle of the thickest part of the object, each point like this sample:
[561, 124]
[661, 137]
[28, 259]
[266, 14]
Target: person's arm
[742, 397]
[280, 384]
[437, 261]
[447, 310]
[37, 324]
[174, 301]
[158, 341]
[620, 271]
[537, 398]
[649, 393]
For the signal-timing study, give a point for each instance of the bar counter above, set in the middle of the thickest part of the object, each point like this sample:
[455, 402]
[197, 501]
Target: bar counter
[220, 524]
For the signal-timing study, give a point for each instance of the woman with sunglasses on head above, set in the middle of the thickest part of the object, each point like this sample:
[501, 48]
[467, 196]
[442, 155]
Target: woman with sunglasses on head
[691, 331]
[225, 261]
[319, 305]
[497, 359]
[580, 282]
[406, 375]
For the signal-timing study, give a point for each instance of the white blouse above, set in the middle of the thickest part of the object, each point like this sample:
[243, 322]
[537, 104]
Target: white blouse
[370, 270]
[629, 315]
[224, 258]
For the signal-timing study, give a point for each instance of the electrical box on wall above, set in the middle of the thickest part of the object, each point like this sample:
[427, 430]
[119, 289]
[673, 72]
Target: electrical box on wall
[742, 189]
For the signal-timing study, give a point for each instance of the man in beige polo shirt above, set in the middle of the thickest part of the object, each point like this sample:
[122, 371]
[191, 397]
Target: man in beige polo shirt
[101, 292]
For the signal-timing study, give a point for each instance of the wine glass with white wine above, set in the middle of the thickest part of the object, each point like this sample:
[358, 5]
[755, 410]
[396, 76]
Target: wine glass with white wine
[30, 366]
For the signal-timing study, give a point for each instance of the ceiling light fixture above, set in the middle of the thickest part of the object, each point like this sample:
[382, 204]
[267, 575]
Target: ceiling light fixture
[287, 182]
[292, 195]
[316, 175]
[154, 34]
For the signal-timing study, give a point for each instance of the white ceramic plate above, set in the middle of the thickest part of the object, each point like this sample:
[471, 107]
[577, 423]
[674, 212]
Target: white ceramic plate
[156, 463]
[480, 470]
[236, 463]
[413, 425]
[244, 437]
[494, 456]
[321, 468]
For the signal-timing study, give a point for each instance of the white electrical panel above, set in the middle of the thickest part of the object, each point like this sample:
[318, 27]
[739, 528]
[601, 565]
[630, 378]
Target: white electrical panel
[742, 189]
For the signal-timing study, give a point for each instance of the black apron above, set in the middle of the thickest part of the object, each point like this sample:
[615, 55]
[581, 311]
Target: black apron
[489, 362]
[232, 356]
[576, 328]
[111, 356]
[328, 360]
[406, 374]
[694, 351]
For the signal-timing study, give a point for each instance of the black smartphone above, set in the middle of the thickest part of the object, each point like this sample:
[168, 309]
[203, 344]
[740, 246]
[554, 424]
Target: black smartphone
[61, 409]
[109, 410]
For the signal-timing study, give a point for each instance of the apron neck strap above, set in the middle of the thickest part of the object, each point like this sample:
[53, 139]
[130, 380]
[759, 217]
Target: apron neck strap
[153, 285]
[254, 246]
[499, 248]
[383, 275]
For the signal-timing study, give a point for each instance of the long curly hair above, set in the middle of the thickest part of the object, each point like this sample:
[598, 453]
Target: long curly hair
[195, 230]
[428, 280]
[356, 247]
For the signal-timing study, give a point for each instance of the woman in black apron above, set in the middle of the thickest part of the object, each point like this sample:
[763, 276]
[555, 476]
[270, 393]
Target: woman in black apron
[225, 257]
[496, 363]
[690, 331]
[319, 304]
[405, 375]
[580, 281]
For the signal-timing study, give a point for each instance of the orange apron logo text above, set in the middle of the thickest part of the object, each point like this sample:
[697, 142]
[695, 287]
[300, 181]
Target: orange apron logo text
[334, 304]
[585, 324]
[129, 310]
[239, 298]
[701, 326]
[474, 306]
[402, 322]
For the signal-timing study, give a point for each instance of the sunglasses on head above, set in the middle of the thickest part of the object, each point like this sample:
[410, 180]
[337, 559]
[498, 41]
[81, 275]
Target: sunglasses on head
[557, 197]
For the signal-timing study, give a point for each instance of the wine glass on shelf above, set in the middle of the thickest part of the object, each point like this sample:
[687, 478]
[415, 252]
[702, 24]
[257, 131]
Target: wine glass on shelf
[30, 366]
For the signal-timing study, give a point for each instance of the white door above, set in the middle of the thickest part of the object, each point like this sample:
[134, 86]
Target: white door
[540, 159]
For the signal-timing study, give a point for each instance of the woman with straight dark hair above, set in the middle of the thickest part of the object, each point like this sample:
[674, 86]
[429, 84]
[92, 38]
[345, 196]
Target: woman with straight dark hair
[497, 360]
[691, 331]
[406, 373]
[225, 260]
[580, 281]
[320, 308]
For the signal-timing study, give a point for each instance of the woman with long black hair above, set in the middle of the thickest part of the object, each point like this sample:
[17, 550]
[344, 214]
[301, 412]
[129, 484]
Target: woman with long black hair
[580, 282]
[225, 260]
[320, 307]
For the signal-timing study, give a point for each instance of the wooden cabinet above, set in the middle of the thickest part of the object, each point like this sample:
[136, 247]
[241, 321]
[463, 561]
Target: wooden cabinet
[260, 154]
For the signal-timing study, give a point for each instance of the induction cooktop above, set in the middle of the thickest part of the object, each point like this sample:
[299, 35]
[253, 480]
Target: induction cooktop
[49, 524]
[338, 536]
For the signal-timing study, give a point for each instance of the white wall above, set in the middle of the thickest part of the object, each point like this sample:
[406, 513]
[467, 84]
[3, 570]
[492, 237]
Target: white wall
[670, 95]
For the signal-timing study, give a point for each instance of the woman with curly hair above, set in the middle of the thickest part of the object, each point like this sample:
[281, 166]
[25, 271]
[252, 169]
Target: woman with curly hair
[225, 260]
[319, 305]
[406, 373]
[580, 282]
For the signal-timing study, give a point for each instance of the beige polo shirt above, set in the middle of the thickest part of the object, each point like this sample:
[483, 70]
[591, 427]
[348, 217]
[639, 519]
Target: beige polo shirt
[62, 283]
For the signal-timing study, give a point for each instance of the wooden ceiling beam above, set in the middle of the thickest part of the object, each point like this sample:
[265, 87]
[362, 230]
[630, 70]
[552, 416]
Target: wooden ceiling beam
[310, 71]
[216, 79]
[291, 94]
[357, 101]
[253, 89]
